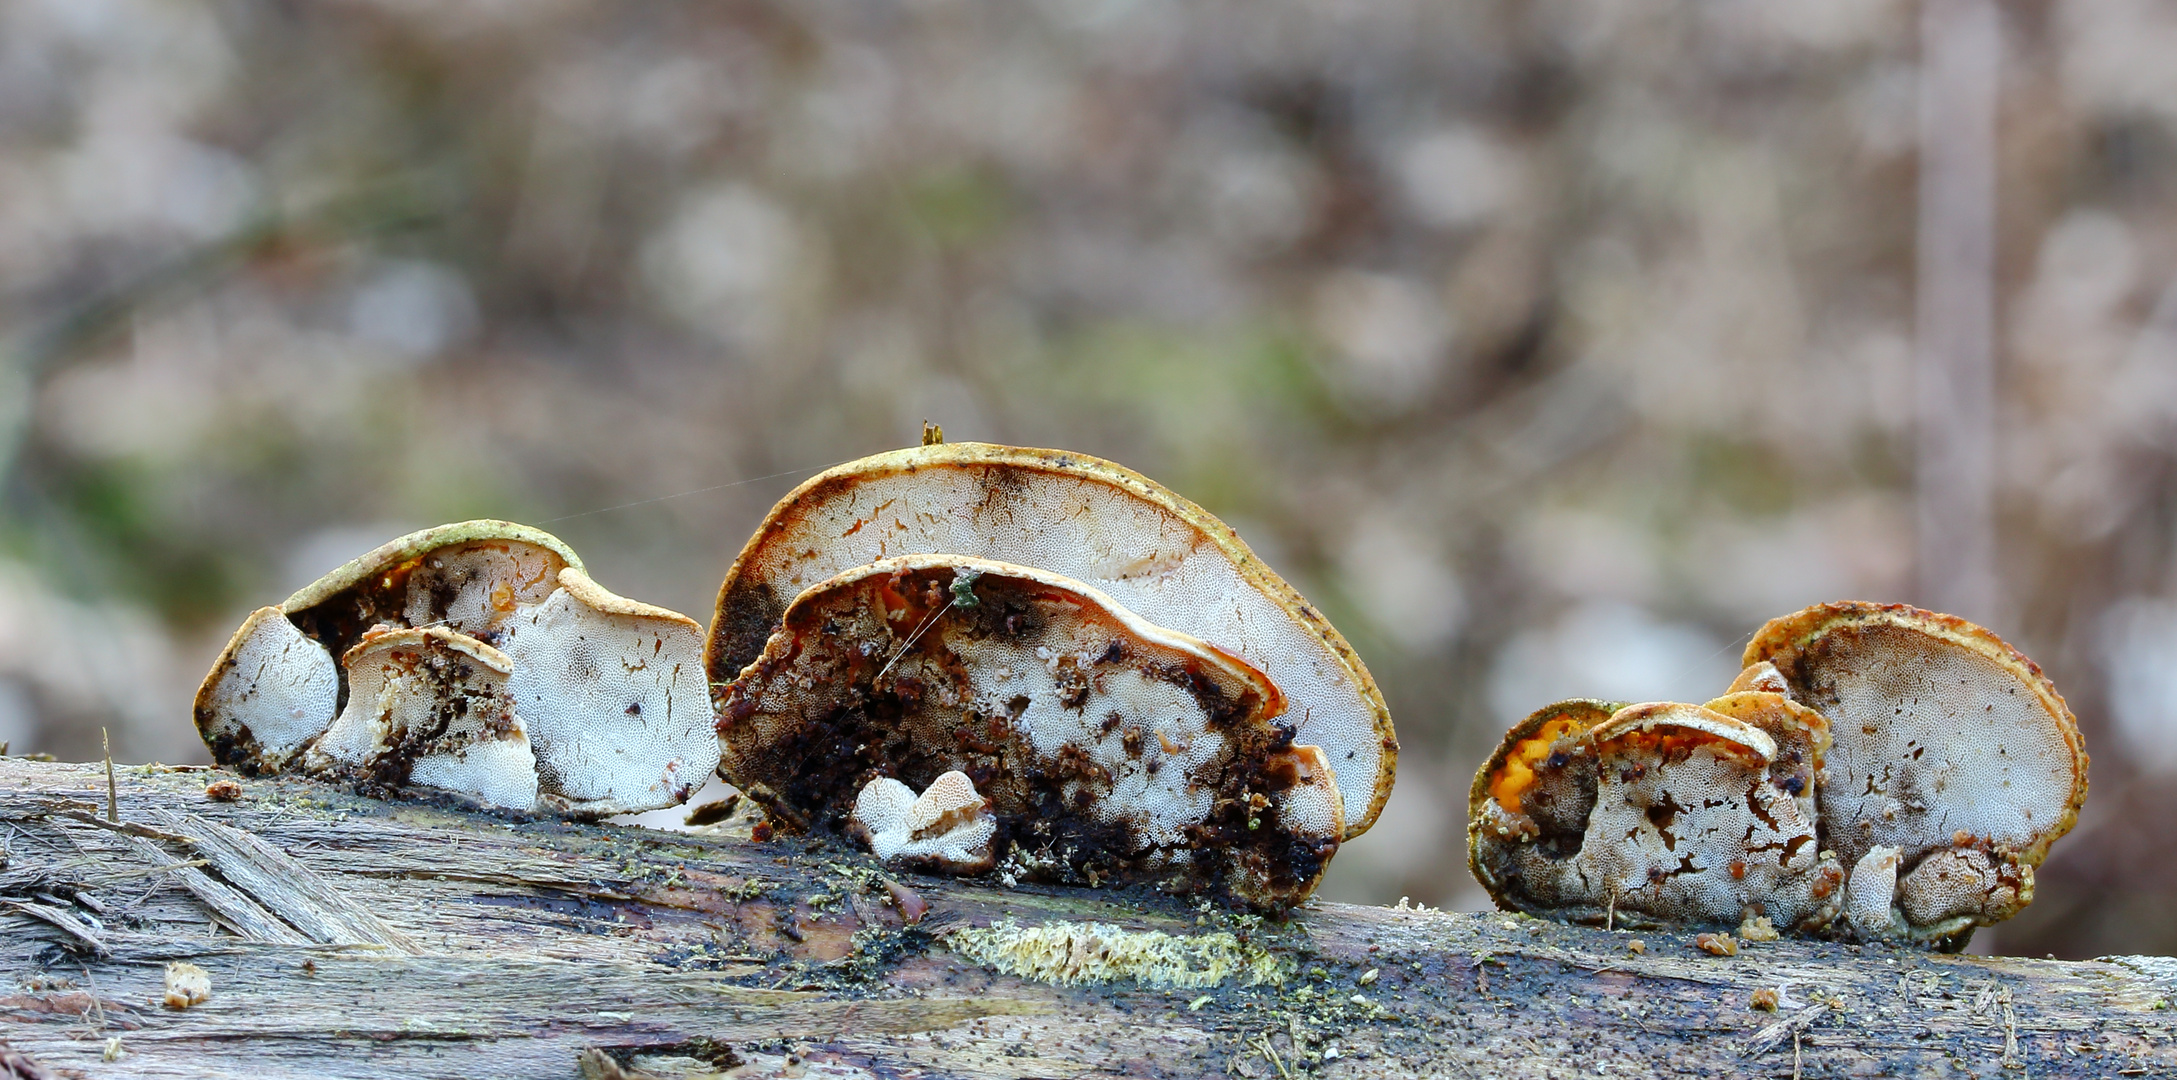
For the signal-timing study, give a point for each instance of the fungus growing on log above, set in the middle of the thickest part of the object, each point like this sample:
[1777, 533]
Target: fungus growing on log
[946, 829]
[477, 657]
[1155, 553]
[1916, 749]
[1951, 747]
[1110, 750]
[1678, 821]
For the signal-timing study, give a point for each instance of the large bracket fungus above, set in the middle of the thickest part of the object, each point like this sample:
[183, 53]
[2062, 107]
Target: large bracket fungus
[1154, 553]
[1108, 749]
[1951, 747]
[1877, 772]
[478, 658]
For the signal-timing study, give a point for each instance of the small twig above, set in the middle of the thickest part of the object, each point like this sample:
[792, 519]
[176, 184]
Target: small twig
[113, 794]
[2010, 1032]
[1770, 1037]
[1795, 1055]
[1262, 1042]
[1610, 918]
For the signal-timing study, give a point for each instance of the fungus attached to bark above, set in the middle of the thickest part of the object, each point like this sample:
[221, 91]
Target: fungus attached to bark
[947, 829]
[1157, 554]
[1950, 746]
[607, 694]
[1109, 750]
[1661, 814]
[1916, 749]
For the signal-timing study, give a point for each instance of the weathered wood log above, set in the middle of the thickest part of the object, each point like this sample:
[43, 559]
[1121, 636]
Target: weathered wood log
[347, 937]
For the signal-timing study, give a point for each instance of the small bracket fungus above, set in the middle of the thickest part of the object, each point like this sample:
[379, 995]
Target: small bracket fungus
[946, 829]
[479, 658]
[1914, 748]
[1951, 747]
[1157, 554]
[1661, 815]
[1109, 750]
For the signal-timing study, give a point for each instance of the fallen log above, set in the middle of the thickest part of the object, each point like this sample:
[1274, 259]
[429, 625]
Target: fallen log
[348, 937]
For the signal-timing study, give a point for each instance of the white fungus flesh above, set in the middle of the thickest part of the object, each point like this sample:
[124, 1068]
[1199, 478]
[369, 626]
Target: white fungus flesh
[1949, 746]
[947, 829]
[271, 693]
[430, 707]
[1157, 554]
[609, 692]
[1110, 750]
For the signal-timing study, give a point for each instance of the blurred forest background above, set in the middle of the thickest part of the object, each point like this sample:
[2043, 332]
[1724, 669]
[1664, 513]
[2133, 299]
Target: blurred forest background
[1551, 346]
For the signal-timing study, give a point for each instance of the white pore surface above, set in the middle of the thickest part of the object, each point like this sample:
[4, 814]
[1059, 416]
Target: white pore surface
[1146, 558]
[1666, 837]
[390, 694]
[616, 705]
[1951, 883]
[490, 578]
[1311, 809]
[894, 816]
[1871, 894]
[1933, 739]
[281, 686]
[1173, 730]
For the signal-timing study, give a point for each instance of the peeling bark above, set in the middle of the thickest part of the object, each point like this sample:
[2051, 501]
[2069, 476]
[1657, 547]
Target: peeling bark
[351, 938]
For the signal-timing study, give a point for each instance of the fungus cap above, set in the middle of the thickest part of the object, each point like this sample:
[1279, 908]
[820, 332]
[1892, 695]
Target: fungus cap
[1688, 828]
[1157, 554]
[1109, 749]
[1652, 814]
[947, 829]
[1939, 727]
[609, 691]
[430, 707]
[271, 692]
[1528, 807]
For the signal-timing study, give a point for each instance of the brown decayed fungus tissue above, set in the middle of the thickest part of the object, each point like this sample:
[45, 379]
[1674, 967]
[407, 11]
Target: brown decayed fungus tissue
[477, 658]
[1050, 730]
[1876, 773]
[1152, 552]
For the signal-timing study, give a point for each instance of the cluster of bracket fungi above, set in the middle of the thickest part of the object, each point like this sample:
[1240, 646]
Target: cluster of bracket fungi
[1876, 773]
[970, 658]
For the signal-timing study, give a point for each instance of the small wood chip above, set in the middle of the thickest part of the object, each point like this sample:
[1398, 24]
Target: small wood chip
[1765, 999]
[186, 985]
[1637, 947]
[222, 791]
[1719, 944]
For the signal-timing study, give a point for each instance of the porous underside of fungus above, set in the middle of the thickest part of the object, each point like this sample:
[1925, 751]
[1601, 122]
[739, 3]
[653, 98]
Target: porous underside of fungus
[1951, 747]
[1162, 557]
[1110, 750]
[1652, 815]
[946, 829]
[607, 693]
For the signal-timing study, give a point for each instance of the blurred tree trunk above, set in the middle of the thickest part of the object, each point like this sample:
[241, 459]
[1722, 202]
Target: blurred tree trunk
[1961, 48]
[350, 938]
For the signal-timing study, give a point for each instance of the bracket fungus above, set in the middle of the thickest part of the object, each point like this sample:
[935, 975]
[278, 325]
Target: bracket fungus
[946, 829]
[1951, 746]
[1902, 769]
[479, 658]
[1652, 815]
[1155, 553]
[1108, 749]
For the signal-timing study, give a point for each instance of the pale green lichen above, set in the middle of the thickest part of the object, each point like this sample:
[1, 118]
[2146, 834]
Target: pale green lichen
[1073, 953]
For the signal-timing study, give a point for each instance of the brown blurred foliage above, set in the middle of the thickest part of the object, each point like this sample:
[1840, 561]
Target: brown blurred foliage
[1549, 346]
